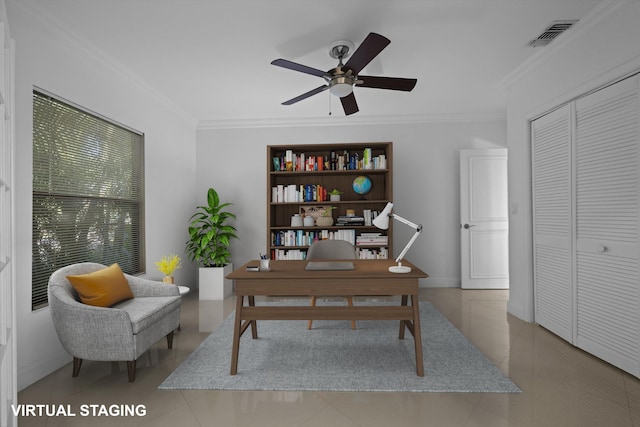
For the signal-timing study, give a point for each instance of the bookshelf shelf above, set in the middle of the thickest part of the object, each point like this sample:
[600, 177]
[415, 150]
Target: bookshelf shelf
[328, 202]
[312, 176]
[332, 172]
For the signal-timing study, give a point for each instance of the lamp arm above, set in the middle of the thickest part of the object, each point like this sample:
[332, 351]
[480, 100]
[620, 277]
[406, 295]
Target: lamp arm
[417, 227]
[406, 248]
[407, 222]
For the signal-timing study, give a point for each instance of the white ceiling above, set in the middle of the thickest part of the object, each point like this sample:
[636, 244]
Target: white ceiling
[212, 58]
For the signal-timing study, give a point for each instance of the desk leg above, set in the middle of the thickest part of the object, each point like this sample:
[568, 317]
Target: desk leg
[402, 322]
[254, 324]
[417, 336]
[236, 334]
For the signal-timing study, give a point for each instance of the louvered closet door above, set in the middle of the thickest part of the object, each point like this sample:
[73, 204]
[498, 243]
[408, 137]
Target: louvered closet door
[551, 155]
[606, 191]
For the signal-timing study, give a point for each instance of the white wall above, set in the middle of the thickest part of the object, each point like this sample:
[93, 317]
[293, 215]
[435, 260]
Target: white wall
[602, 48]
[425, 179]
[50, 60]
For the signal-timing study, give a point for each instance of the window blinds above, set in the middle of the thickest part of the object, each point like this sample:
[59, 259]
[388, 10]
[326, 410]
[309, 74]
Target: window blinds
[87, 192]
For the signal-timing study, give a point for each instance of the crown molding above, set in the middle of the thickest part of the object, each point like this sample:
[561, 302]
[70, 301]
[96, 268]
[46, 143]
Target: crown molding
[102, 57]
[584, 24]
[351, 121]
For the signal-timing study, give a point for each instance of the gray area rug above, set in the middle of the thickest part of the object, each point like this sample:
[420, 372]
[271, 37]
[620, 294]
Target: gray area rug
[333, 357]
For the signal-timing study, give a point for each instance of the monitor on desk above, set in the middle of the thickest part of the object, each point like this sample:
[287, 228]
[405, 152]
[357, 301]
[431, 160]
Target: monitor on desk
[329, 265]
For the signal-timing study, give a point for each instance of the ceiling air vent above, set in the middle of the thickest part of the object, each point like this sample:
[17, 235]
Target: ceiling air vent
[551, 32]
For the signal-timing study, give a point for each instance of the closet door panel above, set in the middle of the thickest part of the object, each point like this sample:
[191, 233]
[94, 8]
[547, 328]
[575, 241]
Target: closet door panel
[607, 224]
[552, 193]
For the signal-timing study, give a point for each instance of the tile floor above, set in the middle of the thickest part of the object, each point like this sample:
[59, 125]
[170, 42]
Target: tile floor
[562, 386]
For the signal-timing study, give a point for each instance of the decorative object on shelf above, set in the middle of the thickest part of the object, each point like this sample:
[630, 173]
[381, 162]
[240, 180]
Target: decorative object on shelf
[208, 245]
[324, 221]
[334, 195]
[167, 266]
[362, 185]
[315, 211]
[309, 221]
[382, 222]
[296, 220]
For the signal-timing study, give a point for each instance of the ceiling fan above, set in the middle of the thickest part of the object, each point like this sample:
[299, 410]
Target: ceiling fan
[341, 79]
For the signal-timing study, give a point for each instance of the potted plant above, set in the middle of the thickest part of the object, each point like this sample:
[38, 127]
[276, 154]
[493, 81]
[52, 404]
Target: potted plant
[167, 266]
[334, 195]
[325, 219]
[208, 245]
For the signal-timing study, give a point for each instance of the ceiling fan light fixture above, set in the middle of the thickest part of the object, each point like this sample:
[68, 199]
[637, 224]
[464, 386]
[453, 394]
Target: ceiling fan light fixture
[341, 86]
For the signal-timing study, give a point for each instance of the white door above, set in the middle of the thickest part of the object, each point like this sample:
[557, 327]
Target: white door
[551, 142]
[484, 219]
[608, 224]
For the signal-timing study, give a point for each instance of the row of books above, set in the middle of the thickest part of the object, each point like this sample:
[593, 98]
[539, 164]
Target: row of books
[366, 253]
[298, 254]
[306, 238]
[299, 193]
[350, 220]
[366, 218]
[288, 254]
[372, 239]
[345, 160]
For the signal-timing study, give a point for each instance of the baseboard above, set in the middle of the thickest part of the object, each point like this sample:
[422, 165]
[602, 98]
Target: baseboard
[29, 374]
[518, 311]
[440, 282]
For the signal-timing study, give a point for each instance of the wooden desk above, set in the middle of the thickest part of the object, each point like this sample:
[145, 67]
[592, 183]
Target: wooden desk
[289, 278]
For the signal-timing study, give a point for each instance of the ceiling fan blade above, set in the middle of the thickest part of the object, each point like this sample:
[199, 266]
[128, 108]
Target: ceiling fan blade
[306, 95]
[392, 83]
[372, 45]
[299, 67]
[349, 104]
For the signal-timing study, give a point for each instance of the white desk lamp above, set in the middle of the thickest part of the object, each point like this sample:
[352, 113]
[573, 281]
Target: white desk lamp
[382, 222]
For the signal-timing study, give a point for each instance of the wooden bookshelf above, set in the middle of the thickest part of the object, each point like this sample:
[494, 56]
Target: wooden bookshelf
[285, 241]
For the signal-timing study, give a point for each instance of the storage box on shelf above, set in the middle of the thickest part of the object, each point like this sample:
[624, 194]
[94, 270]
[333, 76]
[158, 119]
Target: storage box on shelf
[300, 180]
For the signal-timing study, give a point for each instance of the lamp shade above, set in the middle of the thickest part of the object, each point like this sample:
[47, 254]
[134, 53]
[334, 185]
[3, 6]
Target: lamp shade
[382, 220]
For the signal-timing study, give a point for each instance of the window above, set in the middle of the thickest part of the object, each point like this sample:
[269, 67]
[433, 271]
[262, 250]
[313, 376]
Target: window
[87, 192]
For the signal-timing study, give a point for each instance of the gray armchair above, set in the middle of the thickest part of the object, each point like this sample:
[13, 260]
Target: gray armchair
[119, 333]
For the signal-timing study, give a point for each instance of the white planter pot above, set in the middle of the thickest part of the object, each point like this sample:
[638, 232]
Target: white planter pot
[213, 284]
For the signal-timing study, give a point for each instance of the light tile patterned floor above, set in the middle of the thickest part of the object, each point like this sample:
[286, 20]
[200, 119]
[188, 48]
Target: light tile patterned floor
[562, 386]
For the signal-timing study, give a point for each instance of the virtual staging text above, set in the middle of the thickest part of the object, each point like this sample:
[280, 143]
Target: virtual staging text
[84, 410]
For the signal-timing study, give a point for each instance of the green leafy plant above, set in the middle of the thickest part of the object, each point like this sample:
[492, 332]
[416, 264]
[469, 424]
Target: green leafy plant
[209, 233]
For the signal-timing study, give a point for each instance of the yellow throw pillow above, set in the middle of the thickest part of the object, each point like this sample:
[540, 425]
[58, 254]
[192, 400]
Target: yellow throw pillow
[102, 288]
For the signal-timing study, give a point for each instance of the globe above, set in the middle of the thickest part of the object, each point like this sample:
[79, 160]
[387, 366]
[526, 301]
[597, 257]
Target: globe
[362, 185]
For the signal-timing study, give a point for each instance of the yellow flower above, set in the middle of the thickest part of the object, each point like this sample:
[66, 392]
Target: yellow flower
[168, 264]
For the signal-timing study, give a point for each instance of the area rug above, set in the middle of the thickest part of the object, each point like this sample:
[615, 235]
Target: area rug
[333, 357]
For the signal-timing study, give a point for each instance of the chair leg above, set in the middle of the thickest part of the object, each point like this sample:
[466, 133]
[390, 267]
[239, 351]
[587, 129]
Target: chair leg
[131, 369]
[77, 363]
[170, 340]
[313, 304]
[350, 302]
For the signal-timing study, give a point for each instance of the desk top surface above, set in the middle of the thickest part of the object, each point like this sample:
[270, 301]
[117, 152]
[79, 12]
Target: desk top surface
[283, 269]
